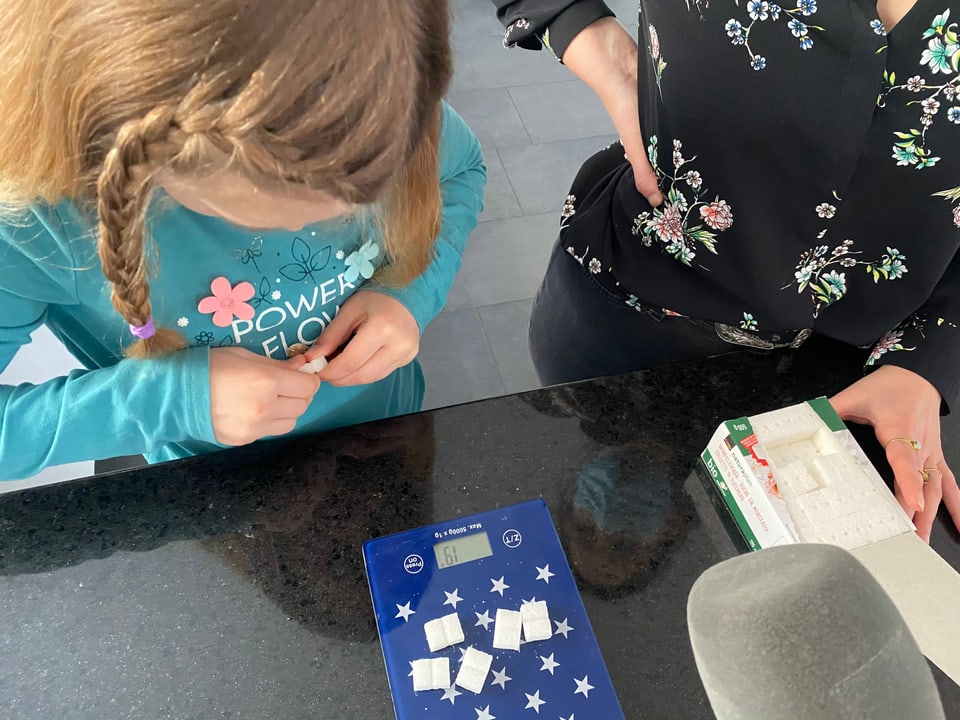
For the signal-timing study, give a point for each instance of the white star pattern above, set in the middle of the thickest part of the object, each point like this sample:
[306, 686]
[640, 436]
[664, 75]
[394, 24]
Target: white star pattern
[583, 687]
[527, 602]
[563, 628]
[549, 664]
[501, 678]
[404, 611]
[451, 693]
[483, 619]
[410, 674]
[543, 573]
[182, 322]
[534, 702]
[569, 718]
[452, 598]
[499, 586]
[484, 714]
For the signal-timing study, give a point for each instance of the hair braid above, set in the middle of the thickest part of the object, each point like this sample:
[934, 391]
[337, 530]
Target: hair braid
[123, 192]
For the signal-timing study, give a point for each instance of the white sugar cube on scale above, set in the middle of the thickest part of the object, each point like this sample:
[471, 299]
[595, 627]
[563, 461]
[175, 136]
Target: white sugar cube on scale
[521, 630]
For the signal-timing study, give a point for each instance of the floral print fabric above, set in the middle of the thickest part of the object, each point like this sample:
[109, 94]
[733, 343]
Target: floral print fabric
[807, 155]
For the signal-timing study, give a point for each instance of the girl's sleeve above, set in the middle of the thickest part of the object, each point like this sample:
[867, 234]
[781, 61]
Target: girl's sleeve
[928, 342]
[463, 177]
[134, 406]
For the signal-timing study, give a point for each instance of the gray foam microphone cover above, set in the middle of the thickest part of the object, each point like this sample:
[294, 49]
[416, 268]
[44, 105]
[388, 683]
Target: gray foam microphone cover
[804, 631]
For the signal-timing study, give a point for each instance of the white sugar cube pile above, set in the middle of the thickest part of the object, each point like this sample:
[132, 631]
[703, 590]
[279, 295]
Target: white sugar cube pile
[474, 669]
[831, 491]
[431, 674]
[443, 632]
[506, 629]
[532, 621]
[536, 621]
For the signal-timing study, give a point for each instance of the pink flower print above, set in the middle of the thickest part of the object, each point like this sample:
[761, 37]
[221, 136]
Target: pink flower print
[228, 302]
[956, 216]
[654, 43]
[717, 215]
[669, 224]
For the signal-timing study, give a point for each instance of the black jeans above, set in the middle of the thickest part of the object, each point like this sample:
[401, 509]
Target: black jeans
[580, 330]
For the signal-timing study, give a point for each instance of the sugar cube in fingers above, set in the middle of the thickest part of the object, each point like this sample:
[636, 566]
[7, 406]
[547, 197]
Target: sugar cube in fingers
[506, 630]
[314, 366]
[474, 669]
[535, 619]
[443, 632]
[431, 674]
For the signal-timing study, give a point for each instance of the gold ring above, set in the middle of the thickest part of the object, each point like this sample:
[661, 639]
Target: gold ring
[925, 473]
[914, 444]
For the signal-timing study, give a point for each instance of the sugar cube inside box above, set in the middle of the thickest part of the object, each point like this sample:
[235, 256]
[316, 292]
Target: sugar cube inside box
[798, 475]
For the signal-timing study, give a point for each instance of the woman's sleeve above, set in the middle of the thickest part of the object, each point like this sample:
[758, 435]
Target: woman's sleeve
[532, 24]
[463, 177]
[928, 342]
[134, 406]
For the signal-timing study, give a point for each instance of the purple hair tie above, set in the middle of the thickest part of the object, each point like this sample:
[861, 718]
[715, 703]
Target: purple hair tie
[144, 331]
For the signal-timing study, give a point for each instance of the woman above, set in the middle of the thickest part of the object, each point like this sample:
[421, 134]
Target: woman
[790, 174]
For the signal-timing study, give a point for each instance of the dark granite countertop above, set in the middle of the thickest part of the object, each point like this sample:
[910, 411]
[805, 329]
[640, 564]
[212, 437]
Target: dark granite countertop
[232, 585]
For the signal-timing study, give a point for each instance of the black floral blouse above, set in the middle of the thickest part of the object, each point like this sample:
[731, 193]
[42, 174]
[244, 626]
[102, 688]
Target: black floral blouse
[810, 163]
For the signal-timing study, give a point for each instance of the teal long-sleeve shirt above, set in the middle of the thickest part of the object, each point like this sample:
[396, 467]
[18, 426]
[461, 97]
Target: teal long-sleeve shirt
[49, 275]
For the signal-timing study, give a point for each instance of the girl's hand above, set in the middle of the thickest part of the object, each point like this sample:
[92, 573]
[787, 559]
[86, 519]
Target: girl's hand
[898, 403]
[604, 56]
[252, 396]
[380, 336]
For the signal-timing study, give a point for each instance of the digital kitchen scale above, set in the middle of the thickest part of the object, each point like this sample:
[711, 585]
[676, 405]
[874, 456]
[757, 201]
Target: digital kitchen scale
[449, 581]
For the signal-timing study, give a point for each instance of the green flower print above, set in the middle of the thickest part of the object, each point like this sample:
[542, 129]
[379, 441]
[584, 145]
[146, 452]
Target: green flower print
[687, 219]
[936, 99]
[748, 322]
[822, 271]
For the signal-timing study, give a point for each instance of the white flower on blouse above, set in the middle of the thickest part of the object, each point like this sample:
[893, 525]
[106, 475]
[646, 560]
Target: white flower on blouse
[183, 322]
[826, 210]
[915, 84]
[930, 106]
[693, 179]
[594, 266]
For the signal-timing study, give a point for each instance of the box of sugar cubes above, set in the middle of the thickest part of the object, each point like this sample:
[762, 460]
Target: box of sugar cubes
[798, 475]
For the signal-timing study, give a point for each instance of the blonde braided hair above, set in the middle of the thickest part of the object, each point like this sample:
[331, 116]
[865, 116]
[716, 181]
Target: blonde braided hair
[282, 91]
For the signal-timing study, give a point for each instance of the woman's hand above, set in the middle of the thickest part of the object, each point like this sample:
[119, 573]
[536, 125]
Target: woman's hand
[252, 396]
[898, 403]
[380, 336]
[604, 56]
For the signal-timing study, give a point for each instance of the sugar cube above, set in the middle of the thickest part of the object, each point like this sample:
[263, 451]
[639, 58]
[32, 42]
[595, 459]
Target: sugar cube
[431, 674]
[535, 619]
[474, 669]
[506, 630]
[443, 632]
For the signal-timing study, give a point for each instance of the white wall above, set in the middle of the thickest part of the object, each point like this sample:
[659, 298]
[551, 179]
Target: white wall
[41, 360]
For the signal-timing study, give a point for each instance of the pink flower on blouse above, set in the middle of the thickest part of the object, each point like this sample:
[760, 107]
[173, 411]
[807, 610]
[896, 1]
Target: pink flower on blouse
[228, 302]
[717, 215]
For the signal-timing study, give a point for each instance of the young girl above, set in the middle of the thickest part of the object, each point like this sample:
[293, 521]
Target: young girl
[194, 192]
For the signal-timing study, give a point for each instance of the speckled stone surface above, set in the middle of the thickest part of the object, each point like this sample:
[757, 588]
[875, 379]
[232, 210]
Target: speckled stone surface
[232, 585]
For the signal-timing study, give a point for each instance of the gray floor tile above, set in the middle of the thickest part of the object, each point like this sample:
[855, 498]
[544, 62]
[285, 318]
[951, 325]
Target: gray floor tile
[491, 114]
[483, 62]
[506, 330]
[561, 111]
[541, 174]
[457, 361]
[499, 199]
[504, 261]
[474, 18]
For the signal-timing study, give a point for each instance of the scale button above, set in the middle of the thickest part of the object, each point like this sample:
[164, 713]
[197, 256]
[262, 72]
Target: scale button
[512, 538]
[413, 564]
